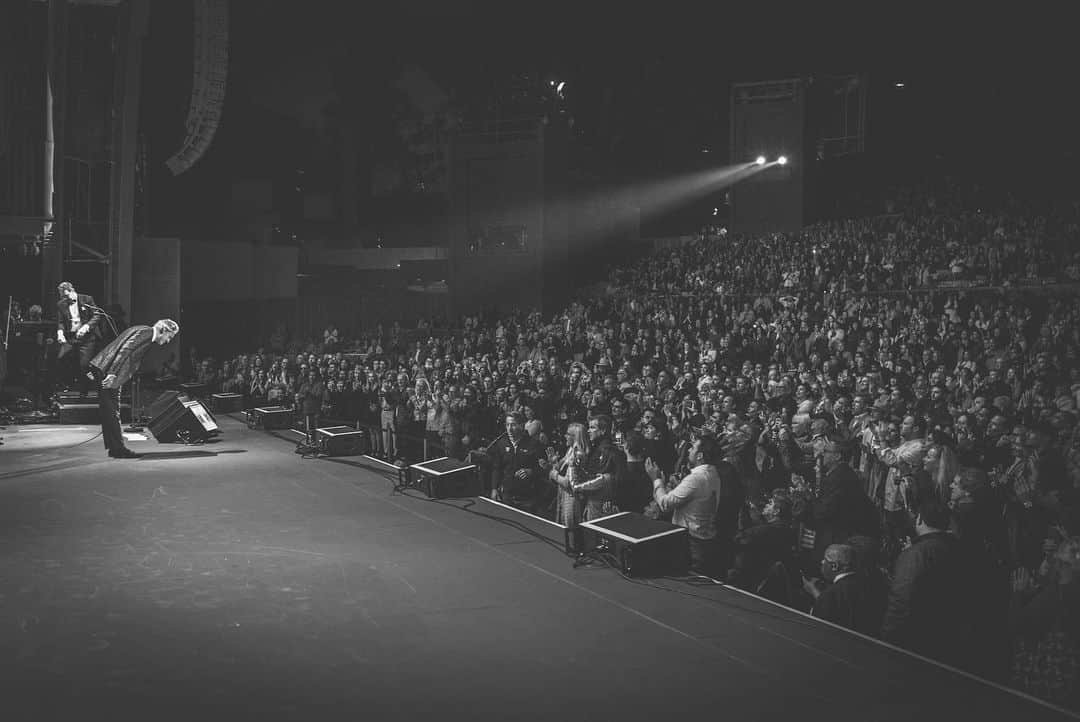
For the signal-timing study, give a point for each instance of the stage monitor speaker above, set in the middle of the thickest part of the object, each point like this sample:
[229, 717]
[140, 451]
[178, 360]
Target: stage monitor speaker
[183, 420]
[158, 406]
[341, 441]
[643, 547]
[447, 478]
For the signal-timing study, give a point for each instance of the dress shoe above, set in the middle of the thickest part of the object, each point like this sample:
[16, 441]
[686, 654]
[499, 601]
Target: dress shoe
[123, 453]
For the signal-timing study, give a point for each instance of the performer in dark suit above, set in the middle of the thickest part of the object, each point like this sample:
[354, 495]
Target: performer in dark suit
[114, 366]
[79, 331]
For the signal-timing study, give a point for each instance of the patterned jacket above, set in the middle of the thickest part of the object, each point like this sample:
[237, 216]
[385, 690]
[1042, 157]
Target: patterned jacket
[123, 356]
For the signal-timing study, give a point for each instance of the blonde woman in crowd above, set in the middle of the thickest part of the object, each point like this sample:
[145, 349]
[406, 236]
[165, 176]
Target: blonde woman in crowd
[567, 472]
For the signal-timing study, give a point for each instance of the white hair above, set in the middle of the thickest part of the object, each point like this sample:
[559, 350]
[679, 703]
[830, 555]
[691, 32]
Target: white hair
[167, 325]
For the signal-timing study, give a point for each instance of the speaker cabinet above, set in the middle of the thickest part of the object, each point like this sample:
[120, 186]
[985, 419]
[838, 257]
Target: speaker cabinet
[341, 441]
[180, 419]
[447, 478]
[163, 402]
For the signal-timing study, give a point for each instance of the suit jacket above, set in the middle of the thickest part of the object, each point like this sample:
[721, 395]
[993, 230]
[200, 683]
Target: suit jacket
[123, 356]
[760, 546]
[933, 600]
[507, 459]
[90, 316]
[843, 510]
[853, 602]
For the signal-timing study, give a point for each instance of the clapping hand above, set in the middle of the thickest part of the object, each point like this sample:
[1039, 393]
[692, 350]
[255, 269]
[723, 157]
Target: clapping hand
[653, 470]
[810, 586]
[1022, 580]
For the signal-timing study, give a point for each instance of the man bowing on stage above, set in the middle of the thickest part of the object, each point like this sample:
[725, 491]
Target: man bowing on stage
[114, 366]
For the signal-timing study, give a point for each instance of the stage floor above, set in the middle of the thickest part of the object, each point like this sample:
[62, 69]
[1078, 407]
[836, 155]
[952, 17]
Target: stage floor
[237, 580]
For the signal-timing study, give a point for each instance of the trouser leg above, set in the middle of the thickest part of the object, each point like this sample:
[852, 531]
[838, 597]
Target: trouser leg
[87, 351]
[109, 409]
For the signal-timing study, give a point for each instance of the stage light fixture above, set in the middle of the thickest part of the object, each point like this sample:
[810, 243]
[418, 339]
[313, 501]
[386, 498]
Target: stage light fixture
[760, 160]
[782, 160]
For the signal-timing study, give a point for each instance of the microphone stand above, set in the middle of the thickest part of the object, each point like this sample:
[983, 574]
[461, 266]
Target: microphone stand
[493, 442]
[136, 393]
[7, 328]
[5, 418]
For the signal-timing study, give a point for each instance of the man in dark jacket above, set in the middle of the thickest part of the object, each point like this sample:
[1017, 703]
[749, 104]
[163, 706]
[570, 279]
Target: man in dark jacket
[934, 601]
[842, 509]
[760, 547]
[310, 398]
[633, 491]
[114, 366]
[517, 473]
[79, 332]
[849, 600]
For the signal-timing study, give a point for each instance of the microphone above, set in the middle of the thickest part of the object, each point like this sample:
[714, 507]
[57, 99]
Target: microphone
[494, 441]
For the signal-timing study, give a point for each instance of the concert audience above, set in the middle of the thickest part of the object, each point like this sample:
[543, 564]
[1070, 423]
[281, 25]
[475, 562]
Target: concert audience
[891, 386]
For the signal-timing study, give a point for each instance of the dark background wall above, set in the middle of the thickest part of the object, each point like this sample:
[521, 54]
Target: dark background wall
[771, 200]
[495, 187]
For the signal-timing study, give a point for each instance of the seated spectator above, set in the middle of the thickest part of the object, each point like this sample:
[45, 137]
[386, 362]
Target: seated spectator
[760, 547]
[846, 597]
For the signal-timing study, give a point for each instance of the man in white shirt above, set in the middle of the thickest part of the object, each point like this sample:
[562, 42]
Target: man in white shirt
[693, 503]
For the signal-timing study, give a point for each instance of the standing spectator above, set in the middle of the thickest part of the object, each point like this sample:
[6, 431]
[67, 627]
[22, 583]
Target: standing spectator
[330, 339]
[693, 504]
[207, 375]
[567, 472]
[235, 384]
[603, 468]
[277, 390]
[517, 468]
[932, 603]
[389, 401]
[310, 398]
[841, 510]
[633, 490]
[259, 386]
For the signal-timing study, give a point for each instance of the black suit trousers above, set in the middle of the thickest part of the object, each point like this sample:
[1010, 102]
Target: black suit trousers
[109, 410]
[74, 359]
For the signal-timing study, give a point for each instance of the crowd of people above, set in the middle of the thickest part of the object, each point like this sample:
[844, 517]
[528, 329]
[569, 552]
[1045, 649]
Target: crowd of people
[845, 420]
